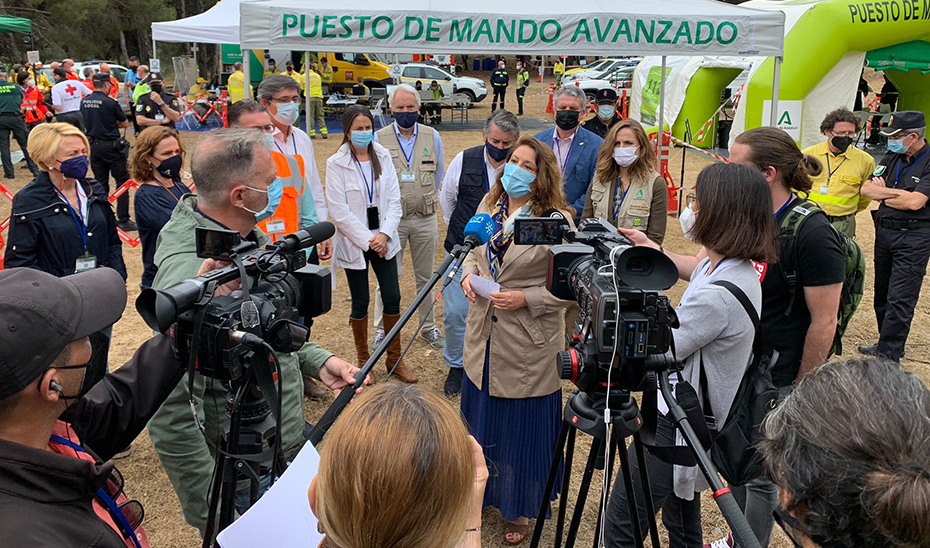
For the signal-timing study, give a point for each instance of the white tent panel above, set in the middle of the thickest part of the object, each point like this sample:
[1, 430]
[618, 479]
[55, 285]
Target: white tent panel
[217, 25]
[580, 27]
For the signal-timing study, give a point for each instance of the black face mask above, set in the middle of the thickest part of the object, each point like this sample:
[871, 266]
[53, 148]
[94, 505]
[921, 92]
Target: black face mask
[841, 143]
[94, 370]
[170, 167]
[567, 119]
[496, 154]
[156, 88]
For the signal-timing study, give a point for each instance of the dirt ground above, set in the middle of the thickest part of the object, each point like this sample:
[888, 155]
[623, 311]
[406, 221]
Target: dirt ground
[146, 480]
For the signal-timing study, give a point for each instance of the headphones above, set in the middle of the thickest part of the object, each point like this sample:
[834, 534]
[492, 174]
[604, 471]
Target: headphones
[55, 386]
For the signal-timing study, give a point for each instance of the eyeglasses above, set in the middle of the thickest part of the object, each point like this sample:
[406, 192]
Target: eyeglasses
[265, 129]
[844, 133]
[286, 100]
[131, 510]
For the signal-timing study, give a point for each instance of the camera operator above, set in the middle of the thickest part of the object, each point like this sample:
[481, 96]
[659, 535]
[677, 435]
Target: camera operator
[234, 171]
[716, 335]
[850, 452]
[62, 417]
[425, 491]
[512, 396]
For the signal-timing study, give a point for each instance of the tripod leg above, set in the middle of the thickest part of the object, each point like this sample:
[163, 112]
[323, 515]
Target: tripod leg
[563, 501]
[614, 448]
[214, 499]
[583, 492]
[647, 489]
[631, 495]
[550, 483]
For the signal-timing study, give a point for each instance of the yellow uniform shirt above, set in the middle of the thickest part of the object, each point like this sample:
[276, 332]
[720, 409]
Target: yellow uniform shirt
[837, 188]
[236, 87]
[297, 77]
[326, 74]
[559, 68]
[316, 85]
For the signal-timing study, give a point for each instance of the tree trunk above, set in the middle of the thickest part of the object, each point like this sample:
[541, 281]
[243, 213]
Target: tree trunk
[123, 48]
[17, 57]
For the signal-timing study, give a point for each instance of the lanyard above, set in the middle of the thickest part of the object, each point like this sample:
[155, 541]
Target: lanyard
[293, 141]
[782, 208]
[505, 233]
[617, 206]
[830, 172]
[558, 151]
[103, 495]
[897, 171]
[369, 187]
[75, 215]
[407, 157]
[170, 191]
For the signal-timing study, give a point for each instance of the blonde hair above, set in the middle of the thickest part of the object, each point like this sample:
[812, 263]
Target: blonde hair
[146, 143]
[608, 170]
[45, 139]
[549, 193]
[396, 469]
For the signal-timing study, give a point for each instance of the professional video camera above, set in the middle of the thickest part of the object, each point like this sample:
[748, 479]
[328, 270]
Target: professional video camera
[624, 318]
[278, 289]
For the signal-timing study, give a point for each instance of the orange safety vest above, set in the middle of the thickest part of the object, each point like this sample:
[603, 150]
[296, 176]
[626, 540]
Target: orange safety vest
[31, 100]
[286, 218]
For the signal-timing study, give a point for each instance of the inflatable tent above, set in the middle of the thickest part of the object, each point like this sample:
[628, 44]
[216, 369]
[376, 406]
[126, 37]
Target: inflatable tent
[826, 45]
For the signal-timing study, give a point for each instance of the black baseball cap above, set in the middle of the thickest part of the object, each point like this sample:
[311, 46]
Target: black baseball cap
[41, 314]
[101, 77]
[904, 120]
[153, 77]
[606, 95]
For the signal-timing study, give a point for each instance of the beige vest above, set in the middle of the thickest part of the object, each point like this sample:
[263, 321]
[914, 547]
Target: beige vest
[634, 212]
[418, 196]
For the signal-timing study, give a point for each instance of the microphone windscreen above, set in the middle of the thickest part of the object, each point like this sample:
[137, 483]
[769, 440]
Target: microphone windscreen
[480, 226]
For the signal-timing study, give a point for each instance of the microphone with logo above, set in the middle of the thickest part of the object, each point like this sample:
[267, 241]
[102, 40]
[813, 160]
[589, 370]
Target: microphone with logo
[478, 231]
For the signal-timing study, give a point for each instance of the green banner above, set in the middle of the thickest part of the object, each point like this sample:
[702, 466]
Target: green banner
[650, 104]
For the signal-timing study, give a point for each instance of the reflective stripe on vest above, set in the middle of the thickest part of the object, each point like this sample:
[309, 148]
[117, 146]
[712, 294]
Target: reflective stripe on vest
[291, 173]
[827, 199]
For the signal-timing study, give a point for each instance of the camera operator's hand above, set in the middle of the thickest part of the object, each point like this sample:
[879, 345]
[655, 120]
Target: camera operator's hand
[325, 250]
[481, 481]
[466, 288]
[508, 300]
[225, 289]
[637, 237]
[337, 373]
[378, 243]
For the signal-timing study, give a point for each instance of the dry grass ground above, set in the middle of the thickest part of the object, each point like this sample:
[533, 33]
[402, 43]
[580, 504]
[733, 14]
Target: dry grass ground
[146, 480]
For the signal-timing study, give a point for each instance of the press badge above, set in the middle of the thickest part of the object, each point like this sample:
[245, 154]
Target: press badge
[275, 226]
[407, 177]
[374, 223]
[85, 263]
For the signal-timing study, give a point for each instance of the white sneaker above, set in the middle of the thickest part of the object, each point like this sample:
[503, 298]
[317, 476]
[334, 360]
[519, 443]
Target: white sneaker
[376, 342]
[725, 542]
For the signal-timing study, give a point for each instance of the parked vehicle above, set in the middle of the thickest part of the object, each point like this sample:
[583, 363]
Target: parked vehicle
[601, 69]
[117, 71]
[619, 78]
[474, 88]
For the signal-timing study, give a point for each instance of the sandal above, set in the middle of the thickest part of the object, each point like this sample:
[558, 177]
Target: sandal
[516, 530]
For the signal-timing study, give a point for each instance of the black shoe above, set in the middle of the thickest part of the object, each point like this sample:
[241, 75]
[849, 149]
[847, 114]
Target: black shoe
[453, 383]
[869, 350]
[127, 226]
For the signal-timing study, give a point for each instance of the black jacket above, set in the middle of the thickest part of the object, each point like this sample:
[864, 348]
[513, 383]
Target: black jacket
[46, 499]
[500, 78]
[43, 234]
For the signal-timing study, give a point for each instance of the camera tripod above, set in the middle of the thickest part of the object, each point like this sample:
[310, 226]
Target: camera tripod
[586, 413]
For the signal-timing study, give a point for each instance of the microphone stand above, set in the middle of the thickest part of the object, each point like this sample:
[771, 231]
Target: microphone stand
[344, 397]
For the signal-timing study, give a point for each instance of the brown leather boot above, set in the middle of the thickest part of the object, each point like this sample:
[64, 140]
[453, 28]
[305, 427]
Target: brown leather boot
[394, 350]
[360, 334]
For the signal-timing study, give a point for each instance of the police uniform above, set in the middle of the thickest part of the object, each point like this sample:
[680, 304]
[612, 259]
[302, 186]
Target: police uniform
[147, 108]
[102, 116]
[902, 240]
[499, 81]
[11, 121]
[523, 80]
[596, 125]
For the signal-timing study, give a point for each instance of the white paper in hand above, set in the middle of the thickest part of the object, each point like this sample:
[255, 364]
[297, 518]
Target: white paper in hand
[483, 286]
[282, 516]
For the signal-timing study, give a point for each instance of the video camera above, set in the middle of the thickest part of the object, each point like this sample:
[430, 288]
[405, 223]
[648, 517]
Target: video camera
[623, 312]
[279, 289]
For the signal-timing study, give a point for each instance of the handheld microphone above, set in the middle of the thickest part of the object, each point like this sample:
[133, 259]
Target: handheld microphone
[478, 231]
[307, 237]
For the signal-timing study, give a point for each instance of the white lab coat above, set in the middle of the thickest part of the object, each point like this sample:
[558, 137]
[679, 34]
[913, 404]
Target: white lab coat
[347, 198]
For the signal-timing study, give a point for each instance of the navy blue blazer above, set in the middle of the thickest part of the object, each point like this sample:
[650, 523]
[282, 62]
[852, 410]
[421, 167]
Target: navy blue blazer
[580, 166]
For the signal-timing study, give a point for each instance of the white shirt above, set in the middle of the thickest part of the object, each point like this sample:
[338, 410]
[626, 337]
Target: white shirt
[68, 94]
[298, 144]
[449, 194]
[406, 145]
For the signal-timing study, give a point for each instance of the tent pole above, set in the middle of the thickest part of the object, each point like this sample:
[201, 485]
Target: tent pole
[246, 73]
[660, 138]
[542, 84]
[310, 123]
[776, 83]
[154, 55]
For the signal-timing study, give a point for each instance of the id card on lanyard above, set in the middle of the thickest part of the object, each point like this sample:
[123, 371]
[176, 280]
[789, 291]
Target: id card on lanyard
[87, 261]
[374, 219]
[407, 175]
[558, 151]
[618, 205]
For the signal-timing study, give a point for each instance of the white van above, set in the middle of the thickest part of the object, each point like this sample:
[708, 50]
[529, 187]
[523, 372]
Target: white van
[474, 88]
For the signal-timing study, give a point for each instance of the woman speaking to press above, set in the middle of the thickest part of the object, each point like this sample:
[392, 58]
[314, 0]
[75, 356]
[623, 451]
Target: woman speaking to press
[626, 190]
[715, 337]
[512, 400]
[364, 203]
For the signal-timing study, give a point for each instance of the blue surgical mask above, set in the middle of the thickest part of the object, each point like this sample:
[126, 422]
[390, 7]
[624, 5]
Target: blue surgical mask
[896, 145]
[287, 113]
[275, 191]
[362, 139]
[269, 138]
[516, 181]
[406, 120]
[606, 112]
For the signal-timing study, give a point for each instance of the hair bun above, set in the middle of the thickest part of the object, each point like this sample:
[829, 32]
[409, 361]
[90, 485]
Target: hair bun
[812, 165]
[899, 502]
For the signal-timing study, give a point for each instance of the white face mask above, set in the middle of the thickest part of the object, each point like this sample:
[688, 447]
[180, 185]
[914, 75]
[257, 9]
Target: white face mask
[625, 156]
[687, 222]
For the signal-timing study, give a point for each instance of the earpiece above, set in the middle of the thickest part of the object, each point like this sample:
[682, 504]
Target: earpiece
[55, 386]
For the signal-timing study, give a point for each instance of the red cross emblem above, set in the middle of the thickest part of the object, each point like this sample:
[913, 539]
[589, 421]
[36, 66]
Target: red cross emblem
[70, 89]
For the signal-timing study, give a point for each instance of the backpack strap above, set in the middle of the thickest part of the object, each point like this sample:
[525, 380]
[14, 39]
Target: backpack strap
[788, 230]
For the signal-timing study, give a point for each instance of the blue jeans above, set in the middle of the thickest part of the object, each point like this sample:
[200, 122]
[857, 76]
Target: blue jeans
[454, 312]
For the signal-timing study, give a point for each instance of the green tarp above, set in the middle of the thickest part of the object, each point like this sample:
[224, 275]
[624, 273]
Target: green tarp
[907, 56]
[15, 24]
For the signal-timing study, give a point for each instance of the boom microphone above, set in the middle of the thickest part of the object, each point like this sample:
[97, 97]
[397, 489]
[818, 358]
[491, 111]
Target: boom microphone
[478, 231]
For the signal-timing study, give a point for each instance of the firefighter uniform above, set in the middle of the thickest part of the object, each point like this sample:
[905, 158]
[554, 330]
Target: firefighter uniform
[102, 118]
[236, 87]
[557, 71]
[837, 189]
[292, 213]
[11, 121]
[523, 80]
[326, 77]
[42, 81]
[315, 114]
[499, 81]
[33, 108]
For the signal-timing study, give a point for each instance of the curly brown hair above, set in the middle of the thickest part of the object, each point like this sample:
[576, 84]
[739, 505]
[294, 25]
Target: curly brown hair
[549, 193]
[607, 168]
[837, 116]
[139, 166]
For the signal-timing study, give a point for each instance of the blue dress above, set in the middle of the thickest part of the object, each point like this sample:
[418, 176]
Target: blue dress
[518, 437]
[153, 207]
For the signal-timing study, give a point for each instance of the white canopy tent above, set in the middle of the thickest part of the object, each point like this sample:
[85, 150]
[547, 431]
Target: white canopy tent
[217, 25]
